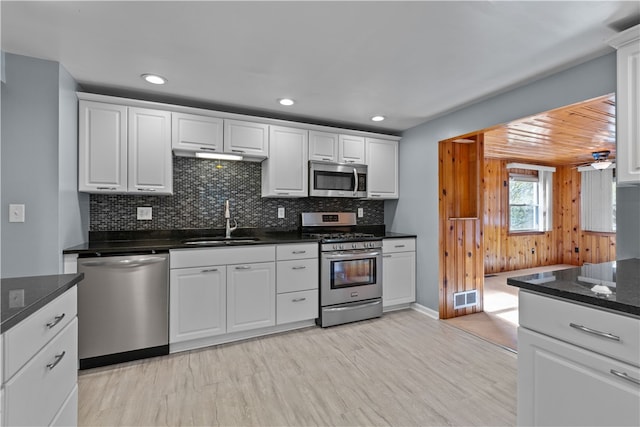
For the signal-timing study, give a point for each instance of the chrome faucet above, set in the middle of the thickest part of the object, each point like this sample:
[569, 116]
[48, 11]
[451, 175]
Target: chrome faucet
[227, 215]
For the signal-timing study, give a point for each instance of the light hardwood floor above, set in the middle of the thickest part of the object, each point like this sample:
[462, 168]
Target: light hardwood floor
[404, 369]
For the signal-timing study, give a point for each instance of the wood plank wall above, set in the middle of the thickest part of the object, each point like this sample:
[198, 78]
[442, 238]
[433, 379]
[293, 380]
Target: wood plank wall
[507, 252]
[460, 207]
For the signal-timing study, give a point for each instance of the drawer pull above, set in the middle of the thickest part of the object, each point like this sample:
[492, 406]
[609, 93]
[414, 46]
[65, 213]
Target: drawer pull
[299, 267]
[386, 256]
[625, 376]
[298, 299]
[209, 270]
[298, 252]
[146, 189]
[399, 246]
[106, 188]
[55, 362]
[594, 332]
[56, 320]
[243, 267]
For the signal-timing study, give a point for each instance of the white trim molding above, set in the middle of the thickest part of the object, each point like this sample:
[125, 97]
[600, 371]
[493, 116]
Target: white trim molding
[530, 167]
[425, 310]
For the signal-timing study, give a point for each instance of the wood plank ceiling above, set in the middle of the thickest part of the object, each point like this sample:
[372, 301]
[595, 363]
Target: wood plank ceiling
[565, 136]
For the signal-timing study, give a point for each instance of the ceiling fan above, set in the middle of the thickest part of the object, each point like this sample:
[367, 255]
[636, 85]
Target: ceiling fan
[600, 161]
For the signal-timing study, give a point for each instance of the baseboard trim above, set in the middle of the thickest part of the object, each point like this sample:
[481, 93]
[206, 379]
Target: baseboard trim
[425, 310]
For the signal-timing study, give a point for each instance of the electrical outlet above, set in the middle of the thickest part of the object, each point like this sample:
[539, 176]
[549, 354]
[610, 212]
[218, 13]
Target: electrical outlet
[360, 212]
[16, 213]
[145, 213]
[280, 212]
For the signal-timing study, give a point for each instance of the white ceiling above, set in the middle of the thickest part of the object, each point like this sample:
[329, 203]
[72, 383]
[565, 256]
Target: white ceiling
[342, 61]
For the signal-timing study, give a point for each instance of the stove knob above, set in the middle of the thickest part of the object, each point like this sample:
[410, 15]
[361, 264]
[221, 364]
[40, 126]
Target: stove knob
[335, 247]
[341, 247]
[354, 245]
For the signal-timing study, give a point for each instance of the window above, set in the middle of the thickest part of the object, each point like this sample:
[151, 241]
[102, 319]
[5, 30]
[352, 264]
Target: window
[598, 200]
[530, 198]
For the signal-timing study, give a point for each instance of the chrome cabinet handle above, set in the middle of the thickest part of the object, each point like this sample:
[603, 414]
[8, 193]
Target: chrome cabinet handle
[56, 361]
[298, 299]
[625, 376]
[386, 256]
[298, 252]
[206, 148]
[238, 151]
[243, 267]
[399, 246]
[209, 270]
[146, 189]
[324, 158]
[594, 332]
[299, 267]
[107, 188]
[283, 193]
[56, 320]
[375, 195]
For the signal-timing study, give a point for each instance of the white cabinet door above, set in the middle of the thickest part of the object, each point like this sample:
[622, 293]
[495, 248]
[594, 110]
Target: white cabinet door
[628, 112]
[398, 278]
[351, 149]
[285, 172]
[102, 148]
[323, 146]
[198, 302]
[382, 173]
[561, 384]
[251, 296]
[150, 161]
[191, 132]
[246, 138]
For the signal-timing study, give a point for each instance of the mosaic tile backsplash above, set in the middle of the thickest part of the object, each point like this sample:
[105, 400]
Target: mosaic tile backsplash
[201, 186]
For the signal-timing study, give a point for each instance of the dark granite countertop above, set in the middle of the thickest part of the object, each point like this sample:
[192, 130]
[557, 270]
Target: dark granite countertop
[610, 285]
[23, 296]
[392, 235]
[110, 243]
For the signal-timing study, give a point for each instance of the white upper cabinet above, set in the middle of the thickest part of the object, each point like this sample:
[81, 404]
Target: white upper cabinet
[192, 133]
[246, 138]
[351, 149]
[124, 149]
[628, 105]
[382, 172]
[150, 162]
[285, 172]
[323, 146]
[102, 148]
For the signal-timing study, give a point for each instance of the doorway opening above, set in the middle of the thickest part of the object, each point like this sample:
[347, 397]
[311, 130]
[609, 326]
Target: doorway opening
[519, 234]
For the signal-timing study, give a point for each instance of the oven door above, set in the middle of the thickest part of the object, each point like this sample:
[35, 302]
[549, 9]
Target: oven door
[347, 276]
[337, 180]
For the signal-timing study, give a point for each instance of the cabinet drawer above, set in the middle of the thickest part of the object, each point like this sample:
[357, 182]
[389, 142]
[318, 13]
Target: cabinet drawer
[68, 414]
[186, 258]
[297, 251]
[297, 306]
[554, 318]
[36, 393]
[297, 275]
[29, 336]
[398, 245]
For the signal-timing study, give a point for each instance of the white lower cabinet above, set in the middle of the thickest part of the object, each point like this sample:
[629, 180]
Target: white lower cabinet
[577, 365]
[251, 296]
[398, 272]
[198, 303]
[297, 282]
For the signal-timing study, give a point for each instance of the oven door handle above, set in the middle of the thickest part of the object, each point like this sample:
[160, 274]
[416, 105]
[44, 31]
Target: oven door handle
[351, 307]
[351, 254]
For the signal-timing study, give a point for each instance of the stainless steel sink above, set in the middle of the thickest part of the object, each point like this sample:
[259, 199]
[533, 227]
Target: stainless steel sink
[211, 241]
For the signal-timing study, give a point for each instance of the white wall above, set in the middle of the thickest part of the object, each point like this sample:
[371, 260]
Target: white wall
[417, 209]
[38, 167]
[628, 222]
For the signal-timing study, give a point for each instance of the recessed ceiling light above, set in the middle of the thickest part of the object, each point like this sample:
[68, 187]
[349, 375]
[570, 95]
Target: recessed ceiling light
[154, 79]
[377, 118]
[286, 101]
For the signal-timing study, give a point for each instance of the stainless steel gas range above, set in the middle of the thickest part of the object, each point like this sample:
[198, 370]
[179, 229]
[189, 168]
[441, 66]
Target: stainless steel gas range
[350, 268]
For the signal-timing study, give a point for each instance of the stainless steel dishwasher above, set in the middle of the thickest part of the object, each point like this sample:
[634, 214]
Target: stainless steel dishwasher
[123, 308]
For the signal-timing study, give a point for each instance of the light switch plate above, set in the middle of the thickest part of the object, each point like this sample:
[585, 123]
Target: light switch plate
[145, 213]
[360, 212]
[280, 212]
[16, 213]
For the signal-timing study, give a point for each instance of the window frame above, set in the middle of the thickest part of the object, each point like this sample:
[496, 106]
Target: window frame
[538, 203]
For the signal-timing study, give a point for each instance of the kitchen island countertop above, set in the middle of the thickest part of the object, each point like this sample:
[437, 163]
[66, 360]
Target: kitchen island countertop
[613, 285]
[23, 296]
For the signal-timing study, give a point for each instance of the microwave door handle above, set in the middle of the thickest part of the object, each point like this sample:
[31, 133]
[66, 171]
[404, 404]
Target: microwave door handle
[355, 183]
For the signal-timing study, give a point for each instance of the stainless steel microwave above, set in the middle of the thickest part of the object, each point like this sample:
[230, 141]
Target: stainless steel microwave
[337, 180]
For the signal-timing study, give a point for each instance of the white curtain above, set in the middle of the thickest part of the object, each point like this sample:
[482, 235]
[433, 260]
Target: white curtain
[545, 178]
[596, 213]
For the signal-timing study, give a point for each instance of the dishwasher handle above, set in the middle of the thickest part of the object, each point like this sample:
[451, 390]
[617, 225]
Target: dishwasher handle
[125, 263]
